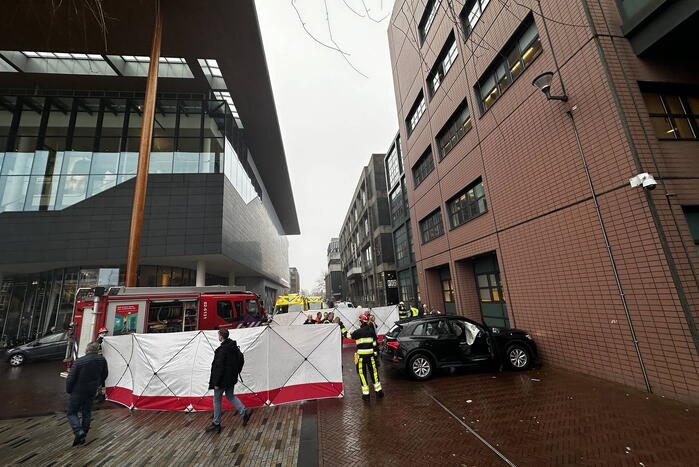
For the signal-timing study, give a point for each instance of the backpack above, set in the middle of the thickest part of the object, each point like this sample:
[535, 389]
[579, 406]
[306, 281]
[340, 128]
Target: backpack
[238, 360]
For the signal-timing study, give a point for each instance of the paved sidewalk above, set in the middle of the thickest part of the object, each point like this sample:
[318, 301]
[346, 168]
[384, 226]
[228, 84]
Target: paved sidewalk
[122, 437]
[534, 418]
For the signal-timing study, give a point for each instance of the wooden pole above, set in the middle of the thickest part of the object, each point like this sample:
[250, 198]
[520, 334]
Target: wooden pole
[139, 198]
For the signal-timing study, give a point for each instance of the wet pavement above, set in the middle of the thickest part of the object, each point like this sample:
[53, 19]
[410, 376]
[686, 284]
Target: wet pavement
[467, 418]
[538, 417]
[35, 388]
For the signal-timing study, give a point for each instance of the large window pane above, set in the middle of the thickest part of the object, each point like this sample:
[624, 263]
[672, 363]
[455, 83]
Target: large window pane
[47, 163]
[100, 183]
[160, 163]
[76, 162]
[165, 118]
[128, 163]
[17, 163]
[41, 194]
[186, 162]
[125, 177]
[13, 191]
[104, 163]
[71, 189]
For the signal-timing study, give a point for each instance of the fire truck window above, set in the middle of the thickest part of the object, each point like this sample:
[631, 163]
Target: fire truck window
[225, 310]
[251, 306]
[165, 317]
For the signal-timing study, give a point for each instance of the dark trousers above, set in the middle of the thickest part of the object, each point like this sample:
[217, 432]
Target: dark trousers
[80, 402]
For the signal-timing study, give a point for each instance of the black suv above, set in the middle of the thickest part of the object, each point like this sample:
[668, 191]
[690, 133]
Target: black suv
[421, 345]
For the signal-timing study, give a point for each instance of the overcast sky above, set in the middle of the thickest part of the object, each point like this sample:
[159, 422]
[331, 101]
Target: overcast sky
[331, 117]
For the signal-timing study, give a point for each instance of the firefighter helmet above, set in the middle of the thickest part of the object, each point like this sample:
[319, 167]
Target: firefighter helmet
[102, 329]
[363, 318]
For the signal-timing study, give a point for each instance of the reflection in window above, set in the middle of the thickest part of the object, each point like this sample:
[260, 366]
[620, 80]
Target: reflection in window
[13, 190]
[423, 167]
[41, 193]
[467, 205]
[456, 128]
[431, 226]
[71, 189]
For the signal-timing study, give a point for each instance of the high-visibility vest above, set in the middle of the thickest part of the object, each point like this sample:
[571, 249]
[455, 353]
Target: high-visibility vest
[415, 311]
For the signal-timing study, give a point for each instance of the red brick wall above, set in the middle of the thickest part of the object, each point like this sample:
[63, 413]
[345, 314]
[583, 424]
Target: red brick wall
[559, 282]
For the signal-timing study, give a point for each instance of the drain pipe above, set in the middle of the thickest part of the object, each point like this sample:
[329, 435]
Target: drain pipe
[609, 252]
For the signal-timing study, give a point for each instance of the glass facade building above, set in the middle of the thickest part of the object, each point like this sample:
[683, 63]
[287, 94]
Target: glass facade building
[59, 150]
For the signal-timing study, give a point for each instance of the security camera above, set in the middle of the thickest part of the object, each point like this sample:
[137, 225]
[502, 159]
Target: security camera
[645, 180]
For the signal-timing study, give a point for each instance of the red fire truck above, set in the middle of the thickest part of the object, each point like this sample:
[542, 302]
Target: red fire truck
[124, 310]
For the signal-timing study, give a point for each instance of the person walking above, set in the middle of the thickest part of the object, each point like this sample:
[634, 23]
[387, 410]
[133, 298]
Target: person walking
[86, 376]
[227, 365]
[365, 358]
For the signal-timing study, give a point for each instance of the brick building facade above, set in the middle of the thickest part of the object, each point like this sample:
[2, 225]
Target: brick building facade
[508, 227]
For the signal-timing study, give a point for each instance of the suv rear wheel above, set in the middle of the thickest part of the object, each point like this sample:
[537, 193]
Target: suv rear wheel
[421, 367]
[518, 357]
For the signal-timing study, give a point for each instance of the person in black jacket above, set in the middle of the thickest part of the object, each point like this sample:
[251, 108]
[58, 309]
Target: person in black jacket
[225, 369]
[86, 376]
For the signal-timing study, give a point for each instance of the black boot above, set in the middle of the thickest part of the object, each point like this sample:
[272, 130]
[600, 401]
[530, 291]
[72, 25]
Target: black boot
[79, 438]
[365, 397]
[379, 394]
[213, 427]
[246, 417]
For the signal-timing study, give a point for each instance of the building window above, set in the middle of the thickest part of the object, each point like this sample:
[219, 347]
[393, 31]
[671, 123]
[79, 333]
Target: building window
[673, 116]
[416, 112]
[519, 53]
[692, 215]
[444, 62]
[393, 166]
[398, 207]
[471, 14]
[427, 19]
[489, 287]
[467, 205]
[400, 238]
[447, 291]
[458, 125]
[405, 286]
[423, 167]
[431, 226]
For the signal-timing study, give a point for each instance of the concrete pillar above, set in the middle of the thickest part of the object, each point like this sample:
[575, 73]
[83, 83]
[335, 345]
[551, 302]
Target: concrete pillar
[201, 274]
[231, 279]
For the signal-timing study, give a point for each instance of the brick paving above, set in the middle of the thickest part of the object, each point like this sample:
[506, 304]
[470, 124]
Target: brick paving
[539, 417]
[121, 437]
[536, 418]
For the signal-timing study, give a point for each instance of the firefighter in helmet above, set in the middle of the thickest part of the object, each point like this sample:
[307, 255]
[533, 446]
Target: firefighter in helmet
[365, 358]
[402, 311]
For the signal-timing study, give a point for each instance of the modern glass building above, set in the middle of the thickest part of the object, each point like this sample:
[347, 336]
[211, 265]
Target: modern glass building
[219, 198]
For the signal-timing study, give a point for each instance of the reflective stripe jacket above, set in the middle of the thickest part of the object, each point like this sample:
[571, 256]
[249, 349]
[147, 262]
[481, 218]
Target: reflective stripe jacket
[415, 311]
[365, 338]
[402, 312]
